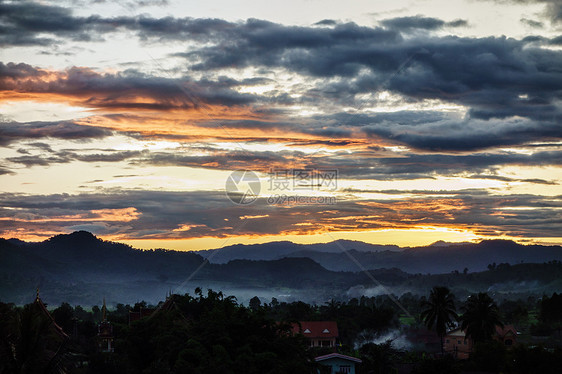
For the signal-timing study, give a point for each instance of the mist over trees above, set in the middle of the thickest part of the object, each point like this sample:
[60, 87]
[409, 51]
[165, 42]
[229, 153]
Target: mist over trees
[79, 268]
[210, 332]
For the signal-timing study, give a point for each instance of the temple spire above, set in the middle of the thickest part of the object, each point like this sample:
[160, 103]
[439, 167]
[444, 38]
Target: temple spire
[104, 310]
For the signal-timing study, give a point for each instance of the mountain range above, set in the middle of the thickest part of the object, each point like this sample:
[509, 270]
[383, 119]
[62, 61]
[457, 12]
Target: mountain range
[82, 269]
[440, 257]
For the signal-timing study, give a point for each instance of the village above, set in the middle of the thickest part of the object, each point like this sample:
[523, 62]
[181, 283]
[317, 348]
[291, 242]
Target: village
[189, 333]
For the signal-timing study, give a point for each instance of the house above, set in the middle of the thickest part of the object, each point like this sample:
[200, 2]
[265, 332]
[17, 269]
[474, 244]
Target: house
[507, 335]
[457, 344]
[318, 333]
[338, 363]
[142, 313]
[167, 305]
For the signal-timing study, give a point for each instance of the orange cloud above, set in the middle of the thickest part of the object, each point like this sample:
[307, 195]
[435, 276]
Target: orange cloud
[99, 215]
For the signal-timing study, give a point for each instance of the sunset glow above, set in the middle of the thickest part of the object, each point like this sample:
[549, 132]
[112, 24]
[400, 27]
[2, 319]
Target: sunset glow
[127, 121]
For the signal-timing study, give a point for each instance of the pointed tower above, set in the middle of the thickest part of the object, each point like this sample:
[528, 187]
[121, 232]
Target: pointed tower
[105, 332]
[51, 339]
[104, 311]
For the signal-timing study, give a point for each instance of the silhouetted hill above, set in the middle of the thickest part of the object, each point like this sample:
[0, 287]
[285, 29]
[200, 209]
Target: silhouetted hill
[439, 257]
[81, 268]
[78, 263]
[277, 250]
[265, 251]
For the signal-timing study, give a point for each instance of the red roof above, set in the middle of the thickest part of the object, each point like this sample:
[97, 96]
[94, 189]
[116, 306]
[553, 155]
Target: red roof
[44, 310]
[316, 329]
[337, 355]
[503, 331]
[135, 316]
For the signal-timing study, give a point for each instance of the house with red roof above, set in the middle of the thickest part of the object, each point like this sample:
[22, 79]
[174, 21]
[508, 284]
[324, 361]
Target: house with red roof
[318, 333]
[457, 344]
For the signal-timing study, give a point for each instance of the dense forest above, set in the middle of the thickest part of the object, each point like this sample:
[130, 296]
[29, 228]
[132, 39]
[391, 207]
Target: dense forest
[213, 333]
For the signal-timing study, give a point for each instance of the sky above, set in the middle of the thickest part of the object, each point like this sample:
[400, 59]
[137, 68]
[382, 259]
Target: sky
[191, 125]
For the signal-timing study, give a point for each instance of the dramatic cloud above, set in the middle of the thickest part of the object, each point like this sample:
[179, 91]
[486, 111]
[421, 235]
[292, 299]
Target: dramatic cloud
[14, 131]
[465, 135]
[128, 90]
[160, 214]
[402, 109]
[420, 22]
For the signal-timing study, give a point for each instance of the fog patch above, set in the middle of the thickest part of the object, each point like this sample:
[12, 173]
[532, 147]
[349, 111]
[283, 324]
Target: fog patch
[360, 290]
[398, 340]
[510, 286]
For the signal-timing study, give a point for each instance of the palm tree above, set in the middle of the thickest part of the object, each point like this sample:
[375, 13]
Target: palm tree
[480, 318]
[439, 311]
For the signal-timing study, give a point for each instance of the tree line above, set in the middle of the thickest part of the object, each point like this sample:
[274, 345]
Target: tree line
[213, 333]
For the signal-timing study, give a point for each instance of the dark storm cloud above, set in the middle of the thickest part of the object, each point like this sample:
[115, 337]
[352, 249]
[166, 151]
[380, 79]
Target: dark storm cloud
[121, 90]
[510, 88]
[556, 41]
[23, 23]
[26, 23]
[507, 179]
[224, 160]
[15, 131]
[495, 78]
[487, 74]
[316, 51]
[532, 23]
[326, 22]
[358, 164]
[156, 214]
[415, 166]
[66, 156]
[468, 135]
[419, 22]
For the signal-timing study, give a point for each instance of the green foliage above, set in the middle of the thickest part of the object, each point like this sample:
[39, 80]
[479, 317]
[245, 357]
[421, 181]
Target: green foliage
[445, 365]
[29, 343]
[489, 356]
[535, 360]
[439, 312]
[214, 334]
[551, 309]
[514, 312]
[255, 303]
[480, 318]
[63, 316]
[378, 358]
[493, 357]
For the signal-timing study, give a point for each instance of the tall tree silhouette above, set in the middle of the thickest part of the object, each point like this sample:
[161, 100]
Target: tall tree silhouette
[439, 312]
[480, 318]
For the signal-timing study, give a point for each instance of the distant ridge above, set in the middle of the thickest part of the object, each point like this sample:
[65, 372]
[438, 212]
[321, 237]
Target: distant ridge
[439, 257]
[280, 249]
[81, 268]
